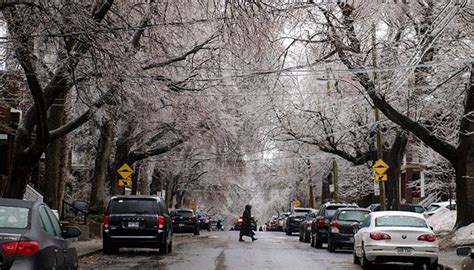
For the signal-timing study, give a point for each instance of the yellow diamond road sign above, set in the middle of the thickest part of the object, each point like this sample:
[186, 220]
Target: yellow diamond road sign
[125, 171]
[297, 203]
[125, 183]
[381, 177]
[380, 167]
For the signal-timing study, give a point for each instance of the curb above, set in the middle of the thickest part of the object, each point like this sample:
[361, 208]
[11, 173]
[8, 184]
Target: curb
[89, 253]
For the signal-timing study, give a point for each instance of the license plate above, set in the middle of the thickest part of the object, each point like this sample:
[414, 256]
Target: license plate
[133, 225]
[404, 251]
[181, 225]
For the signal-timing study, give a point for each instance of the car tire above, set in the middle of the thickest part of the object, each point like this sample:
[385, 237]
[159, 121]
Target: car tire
[197, 232]
[364, 262]
[318, 243]
[356, 259]
[306, 237]
[163, 248]
[109, 248]
[312, 240]
[288, 232]
[331, 247]
[170, 247]
[432, 266]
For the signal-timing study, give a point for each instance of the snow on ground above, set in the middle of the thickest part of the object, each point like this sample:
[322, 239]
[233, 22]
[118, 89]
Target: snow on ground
[442, 221]
[464, 235]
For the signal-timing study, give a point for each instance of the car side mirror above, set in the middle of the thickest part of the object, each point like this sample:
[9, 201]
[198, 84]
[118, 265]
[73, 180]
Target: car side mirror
[431, 227]
[355, 227]
[72, 232]
[464, 251]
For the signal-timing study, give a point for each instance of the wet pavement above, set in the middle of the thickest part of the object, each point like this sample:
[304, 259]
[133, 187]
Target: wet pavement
[222, 251]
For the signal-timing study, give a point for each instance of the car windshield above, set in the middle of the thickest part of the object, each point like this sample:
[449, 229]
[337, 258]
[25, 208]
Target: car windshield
[331, 210]
[400, 221]
[12, 217]
[133, 206]
[433, 208]
[352, 215]
[419, 209]
[184, 213]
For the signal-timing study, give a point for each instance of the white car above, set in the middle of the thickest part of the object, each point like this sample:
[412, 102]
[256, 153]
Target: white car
[435, 207]
[395, 236]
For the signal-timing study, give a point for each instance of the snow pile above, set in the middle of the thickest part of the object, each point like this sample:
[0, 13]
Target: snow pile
[442, 221]
[464, 235]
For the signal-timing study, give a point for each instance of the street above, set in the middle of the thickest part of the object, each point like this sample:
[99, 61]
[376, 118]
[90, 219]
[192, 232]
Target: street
[222, 251]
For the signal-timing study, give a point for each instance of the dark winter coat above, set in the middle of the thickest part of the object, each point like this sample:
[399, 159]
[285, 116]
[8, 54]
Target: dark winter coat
[246, 228]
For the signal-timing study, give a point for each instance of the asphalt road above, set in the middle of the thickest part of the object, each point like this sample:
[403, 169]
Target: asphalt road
[222, 251]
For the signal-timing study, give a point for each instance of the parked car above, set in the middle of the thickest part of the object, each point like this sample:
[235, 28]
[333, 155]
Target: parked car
[137, 221]
[395, 236]
[468, 261]
[204, 221]
[415, 208]
[238, 223]
[282, 221]
[341, 232]
[305, 226]
[185, 221]
[273, 223]
[320, 224]
[32, 237]
[294, 220]
[435, 207]
[373, 206]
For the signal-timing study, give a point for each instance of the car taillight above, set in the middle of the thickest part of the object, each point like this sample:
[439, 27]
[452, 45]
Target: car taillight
[429, 237]
[106, 221]
[161, 222]
[240, 220]
[21, 248]
[321, 222]
[379, 236]
[309, 222]
[334, 227]
[193, 217]
[252, 220]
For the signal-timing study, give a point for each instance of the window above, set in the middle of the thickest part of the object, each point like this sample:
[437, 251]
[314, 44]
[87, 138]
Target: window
[357, 216]
[46, 221]
[400, 221]
[366, 222]
[184, 213]
[54, 221]
[12, 217]
[127, 206]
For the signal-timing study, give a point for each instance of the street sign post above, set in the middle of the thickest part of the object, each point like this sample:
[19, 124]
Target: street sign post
[381, 177]
[125, 183]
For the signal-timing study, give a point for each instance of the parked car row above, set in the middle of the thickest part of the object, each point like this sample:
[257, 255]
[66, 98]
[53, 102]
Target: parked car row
[375, 236]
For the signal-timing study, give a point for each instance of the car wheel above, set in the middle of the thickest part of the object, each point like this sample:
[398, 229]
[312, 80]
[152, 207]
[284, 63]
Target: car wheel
[331, 247]
[109, 248]
[432, 266]
[312, 240]
[170, 247]
[306, 238]
[163, 248]
[196, 232]
[301, 236]
[288, 232]
[318, 243]
[356, 259]
[364, 262]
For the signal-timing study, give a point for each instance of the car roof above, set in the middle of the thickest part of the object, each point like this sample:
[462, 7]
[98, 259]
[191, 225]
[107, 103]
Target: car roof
[444, 203]
[396, 213]
[184, 209]
[305, 209]
[353, 209]
[136, 197]
[18, 202]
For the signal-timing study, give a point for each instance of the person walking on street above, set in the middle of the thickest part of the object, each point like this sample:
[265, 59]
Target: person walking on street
[246, 228]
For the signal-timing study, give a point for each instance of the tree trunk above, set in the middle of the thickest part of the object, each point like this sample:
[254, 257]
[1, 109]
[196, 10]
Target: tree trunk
[394, 159]
[104, 150]
[136, 178]
[56, 158]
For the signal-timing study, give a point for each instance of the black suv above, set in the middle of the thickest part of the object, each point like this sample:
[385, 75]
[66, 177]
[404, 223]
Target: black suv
[137, 221]
[294, 220]
[320, 225]
[185, 221]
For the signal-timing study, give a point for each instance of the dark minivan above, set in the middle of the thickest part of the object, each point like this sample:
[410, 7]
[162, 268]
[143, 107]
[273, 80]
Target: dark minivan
[137, 221]
[341, 232]
[31, 237]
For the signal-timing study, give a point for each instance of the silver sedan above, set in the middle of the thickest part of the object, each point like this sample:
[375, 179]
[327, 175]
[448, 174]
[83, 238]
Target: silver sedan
[395, 236]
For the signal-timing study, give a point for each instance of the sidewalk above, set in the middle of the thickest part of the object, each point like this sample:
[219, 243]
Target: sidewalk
[86, 248]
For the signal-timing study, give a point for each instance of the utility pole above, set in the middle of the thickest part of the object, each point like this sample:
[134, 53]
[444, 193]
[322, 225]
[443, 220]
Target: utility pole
[335, 180]
[377, 118]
